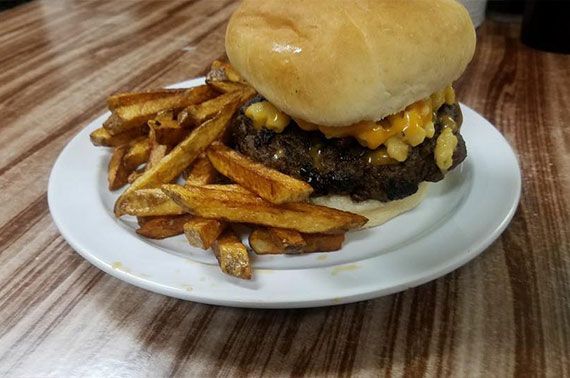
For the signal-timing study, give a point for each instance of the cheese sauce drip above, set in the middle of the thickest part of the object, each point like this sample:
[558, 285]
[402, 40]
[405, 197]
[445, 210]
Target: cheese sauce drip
[265, 114]
[397, 132]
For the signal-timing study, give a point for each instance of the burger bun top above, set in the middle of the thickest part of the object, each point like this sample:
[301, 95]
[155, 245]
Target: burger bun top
[338, 62]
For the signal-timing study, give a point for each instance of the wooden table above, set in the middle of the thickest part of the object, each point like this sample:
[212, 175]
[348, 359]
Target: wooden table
[505, 313]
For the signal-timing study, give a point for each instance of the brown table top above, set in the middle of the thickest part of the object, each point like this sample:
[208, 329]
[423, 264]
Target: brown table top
[507, 312]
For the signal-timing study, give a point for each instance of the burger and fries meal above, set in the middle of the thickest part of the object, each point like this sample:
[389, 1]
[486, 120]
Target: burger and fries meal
[329, 117]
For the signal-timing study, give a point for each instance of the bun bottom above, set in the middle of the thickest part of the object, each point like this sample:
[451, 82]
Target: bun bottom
[377, 212]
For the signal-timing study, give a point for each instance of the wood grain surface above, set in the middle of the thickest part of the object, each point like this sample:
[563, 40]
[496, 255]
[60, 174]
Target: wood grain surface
[507, 313]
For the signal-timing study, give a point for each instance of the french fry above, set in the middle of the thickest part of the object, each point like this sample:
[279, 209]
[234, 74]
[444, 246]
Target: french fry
[201, 172]
[172, 165]
[142, 220]
[167, 130]
[240, 207]
[170, 135]
[196, 114]
[221, 71]
[101, 137]
[153, 202]
[130, 98]
[276, 241]
[264, 242]
[117, 174]
[202, 232]
[163, 227]
[135, 175]
[227, 86]
[232, 256]
[157, 151]
[183, 119]
[290, 239]
[229, 188]
[137, 114]
[268, 183]
[115, 123]
[322, 242]
[137, 154]
[147, 203]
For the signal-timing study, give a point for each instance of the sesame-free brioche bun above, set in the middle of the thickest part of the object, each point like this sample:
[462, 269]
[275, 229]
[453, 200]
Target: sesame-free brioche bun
[377, 212]
[338, 62]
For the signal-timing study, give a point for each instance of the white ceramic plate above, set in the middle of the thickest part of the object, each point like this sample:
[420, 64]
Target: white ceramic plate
[460, 217]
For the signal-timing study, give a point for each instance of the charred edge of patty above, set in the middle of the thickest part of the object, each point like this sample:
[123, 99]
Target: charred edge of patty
[342, 168]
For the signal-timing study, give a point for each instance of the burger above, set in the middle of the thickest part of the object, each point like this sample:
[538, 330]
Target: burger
[355, 97]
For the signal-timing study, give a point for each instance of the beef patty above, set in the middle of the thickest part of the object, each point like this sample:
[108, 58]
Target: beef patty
[341, 165]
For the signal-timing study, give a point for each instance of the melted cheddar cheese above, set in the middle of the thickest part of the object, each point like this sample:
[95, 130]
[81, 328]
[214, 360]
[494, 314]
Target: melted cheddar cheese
[265, 114]
[413, 124]
[444, 148]
[397, 132]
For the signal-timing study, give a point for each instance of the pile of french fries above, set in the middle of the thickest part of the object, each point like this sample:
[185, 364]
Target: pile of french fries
[161, 137]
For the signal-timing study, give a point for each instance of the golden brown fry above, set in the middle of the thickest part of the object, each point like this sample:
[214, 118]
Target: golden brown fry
[264, 242]
[115, 123]
[196, 114]
[117, 174]
[276, 241]
[153, 202]
[227, 86]
[163, 227]
[202, 172]
[167, 130]
[232, 256]
[137, 154]
[135, 175]
[157, 150]
[149, 202]
[222, 71]
[142, 220]
[229, 188]
[101, 137]
[322, 242]
[172, 165]
[290, 239]
[134, 115]
[183, 119]
[130, 98]
[202, 232]
[170, 135]
[268, 183]
[241, 207]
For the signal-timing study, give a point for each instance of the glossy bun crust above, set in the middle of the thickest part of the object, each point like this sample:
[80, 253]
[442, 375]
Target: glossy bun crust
[337, 62]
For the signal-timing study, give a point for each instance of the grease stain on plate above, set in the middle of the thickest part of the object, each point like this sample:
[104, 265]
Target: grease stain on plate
[117, 265]
[344, 268]
[322, 257]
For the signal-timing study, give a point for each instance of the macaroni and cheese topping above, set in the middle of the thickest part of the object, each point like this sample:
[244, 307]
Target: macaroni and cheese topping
[444, 148]
[265, 114]
[397, 132]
